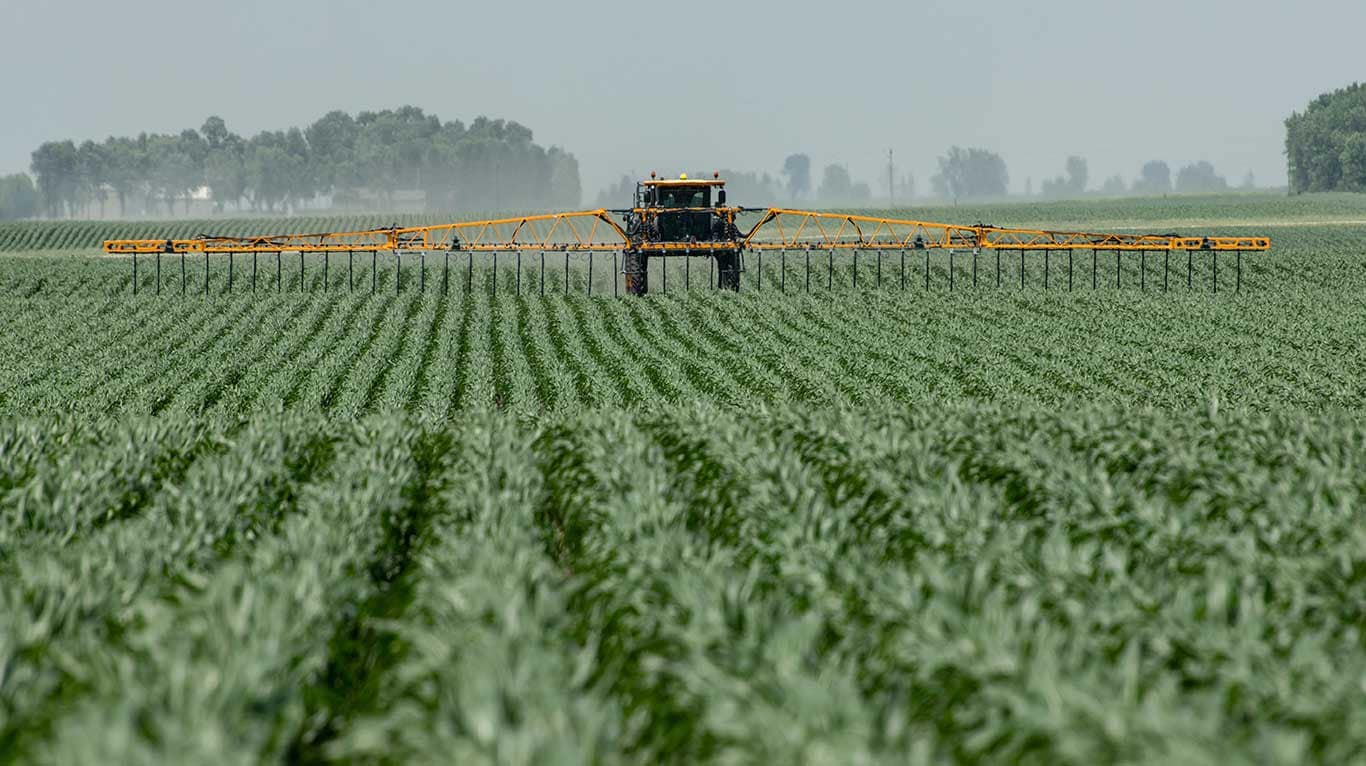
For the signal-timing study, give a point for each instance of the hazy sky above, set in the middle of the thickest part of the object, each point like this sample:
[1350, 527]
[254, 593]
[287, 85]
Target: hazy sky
[684, 85]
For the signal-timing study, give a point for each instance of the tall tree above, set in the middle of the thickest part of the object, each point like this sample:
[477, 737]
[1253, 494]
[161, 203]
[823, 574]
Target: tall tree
[332, 148]
[1322, 143]
[18, 197]
[797, 168]
[836, 186]
[1154, 178]
[225, 172]
[300, 183]
[1073, 184]
[124, 169]
[1353, 158]
[491, 163]
[269, 170]
[92, 169]
[564, 189]
[55, 166]
[967, 173]
[215, 132]
[173, 167]
[194, 150]
[1077, 174]
[619, 194]
[748, 188]
[1198, 178]
[1114, 186]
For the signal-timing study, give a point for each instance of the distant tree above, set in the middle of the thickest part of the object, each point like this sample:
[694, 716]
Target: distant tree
[225, 172]
[1323, 144]
[967, 173]
[301, 183]
[1114, 186]
[124, 165]
[1073, 184]
[18, 197]
[332, 149]
[489, 164]
[271, 170]
[619, 194]
[175, 167]
[1198, 178]
[158, 167]
[55, 166]
[746, 187]
[1249, 182]
[836, 185]
[195, 151]
[797, 168]
[215, 132]
[92, 171]
[1154, 178]
[565, 190]
[264, 167]
[1353, 157]
[905, 189]
[1076, 175]
[498, 163]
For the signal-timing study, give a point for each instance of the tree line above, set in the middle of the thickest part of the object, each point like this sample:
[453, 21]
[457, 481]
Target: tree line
[18, 197]
[976, 173]
[964, 173]
[979, 173]
[754, 189]
[1325, 145]
[363, 160]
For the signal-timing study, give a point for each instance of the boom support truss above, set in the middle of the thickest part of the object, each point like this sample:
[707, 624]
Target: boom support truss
[776, 229]
[782, 229]
[578, 231]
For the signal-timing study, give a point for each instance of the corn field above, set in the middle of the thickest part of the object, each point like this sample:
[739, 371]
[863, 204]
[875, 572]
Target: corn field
[325, 524]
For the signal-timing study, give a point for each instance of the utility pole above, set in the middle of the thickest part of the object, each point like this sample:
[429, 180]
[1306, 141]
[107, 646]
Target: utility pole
[891, 183]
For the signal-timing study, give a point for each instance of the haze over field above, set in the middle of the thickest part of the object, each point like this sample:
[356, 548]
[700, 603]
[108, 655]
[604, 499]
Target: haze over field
[631, 87]
[322, 446]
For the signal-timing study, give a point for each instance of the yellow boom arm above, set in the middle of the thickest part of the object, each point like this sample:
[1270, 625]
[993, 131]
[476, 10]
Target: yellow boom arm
[583, 230]
[797, 229]
[777, 228]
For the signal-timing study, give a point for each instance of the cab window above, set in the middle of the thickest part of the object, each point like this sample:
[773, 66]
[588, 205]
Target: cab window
[684, 197]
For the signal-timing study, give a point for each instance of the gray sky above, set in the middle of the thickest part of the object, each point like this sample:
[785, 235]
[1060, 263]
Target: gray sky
[675, 86]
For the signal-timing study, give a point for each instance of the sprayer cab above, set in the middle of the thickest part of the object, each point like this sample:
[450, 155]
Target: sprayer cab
[681, 193]
[681, 216]
[681, 211]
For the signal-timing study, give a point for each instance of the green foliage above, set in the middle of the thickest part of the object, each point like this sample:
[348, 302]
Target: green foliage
[1354, 163]
[689, 585]
[1324, 143]
[857, 526]
[620, 194]
[797, 169]
[1071, 185]
[1199, 178]
[971, 173]
[1154, 178]
[18, 197]
[489, 162]
[55, 167]
[838, 188]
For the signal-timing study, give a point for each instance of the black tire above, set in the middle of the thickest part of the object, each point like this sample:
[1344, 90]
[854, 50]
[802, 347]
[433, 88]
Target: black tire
[728, 271]
[635, 265]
